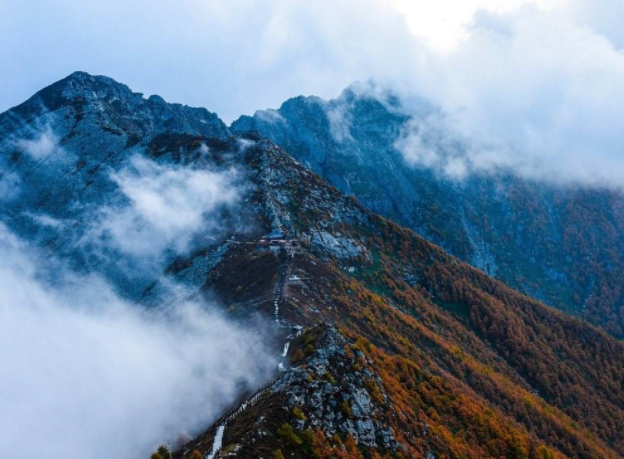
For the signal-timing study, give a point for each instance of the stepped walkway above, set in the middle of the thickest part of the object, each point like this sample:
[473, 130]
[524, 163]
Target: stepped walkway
[216, 432]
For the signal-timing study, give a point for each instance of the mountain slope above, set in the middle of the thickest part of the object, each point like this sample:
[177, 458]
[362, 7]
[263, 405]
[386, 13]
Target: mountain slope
[531, 365]
[491, 372]
[563, 245]
[387, 345]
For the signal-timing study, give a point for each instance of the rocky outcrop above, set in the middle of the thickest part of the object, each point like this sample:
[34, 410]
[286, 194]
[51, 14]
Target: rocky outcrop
[331, 390]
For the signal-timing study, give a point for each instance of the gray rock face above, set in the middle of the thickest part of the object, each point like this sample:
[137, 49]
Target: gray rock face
[339, 246]
[333, 395]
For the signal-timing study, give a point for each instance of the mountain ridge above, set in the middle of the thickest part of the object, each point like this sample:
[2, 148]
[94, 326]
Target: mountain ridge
[389, 346]
[561, 244]
[81, 87]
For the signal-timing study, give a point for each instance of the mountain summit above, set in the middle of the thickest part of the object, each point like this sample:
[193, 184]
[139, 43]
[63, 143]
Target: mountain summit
[102, 100]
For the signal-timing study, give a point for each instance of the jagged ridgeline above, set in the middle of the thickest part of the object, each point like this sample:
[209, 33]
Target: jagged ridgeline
[390, 347]
[561, 244]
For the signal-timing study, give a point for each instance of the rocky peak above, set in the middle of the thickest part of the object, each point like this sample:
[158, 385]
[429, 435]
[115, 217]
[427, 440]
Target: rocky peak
[113, 105]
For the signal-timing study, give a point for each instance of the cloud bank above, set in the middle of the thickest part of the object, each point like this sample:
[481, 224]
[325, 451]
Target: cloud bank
[165, 207]
[85, 374]
[532, 92]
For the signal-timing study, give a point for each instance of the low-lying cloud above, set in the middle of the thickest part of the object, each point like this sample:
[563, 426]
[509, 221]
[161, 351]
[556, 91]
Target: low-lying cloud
[44, 145]
[86, 374]
[532, 92]
[165, 206]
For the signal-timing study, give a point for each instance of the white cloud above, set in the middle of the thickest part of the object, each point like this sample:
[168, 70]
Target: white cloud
[165, 207]
[442, 23]
[269, 116]
[10, 184]
[428, 142]
[535, 93]
[85, 374]
[45, 220]
[44, 145]
[602, 17]
[339, 123]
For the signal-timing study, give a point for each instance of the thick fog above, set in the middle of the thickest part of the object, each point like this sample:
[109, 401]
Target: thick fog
[164, 207]
[85, 374]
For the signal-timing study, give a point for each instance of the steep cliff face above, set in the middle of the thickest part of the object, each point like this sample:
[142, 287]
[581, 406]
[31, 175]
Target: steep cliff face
[387, 346]
[563, 245]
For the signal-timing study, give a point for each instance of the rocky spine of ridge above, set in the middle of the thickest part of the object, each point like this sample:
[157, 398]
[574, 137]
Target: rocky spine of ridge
[329, 387]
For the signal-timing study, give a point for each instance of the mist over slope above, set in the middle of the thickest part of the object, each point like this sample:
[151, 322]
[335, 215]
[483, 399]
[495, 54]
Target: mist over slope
[86, 373]
[559, 241]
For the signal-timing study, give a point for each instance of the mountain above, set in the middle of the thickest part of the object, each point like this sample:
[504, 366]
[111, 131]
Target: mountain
[388, 346]
[561, 244]
[60, 152]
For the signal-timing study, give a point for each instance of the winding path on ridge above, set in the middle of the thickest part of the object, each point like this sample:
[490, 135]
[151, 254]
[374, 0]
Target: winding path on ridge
[286, 258]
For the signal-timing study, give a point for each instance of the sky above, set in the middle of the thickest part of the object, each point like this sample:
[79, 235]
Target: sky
[531, 84]
[232, 57]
